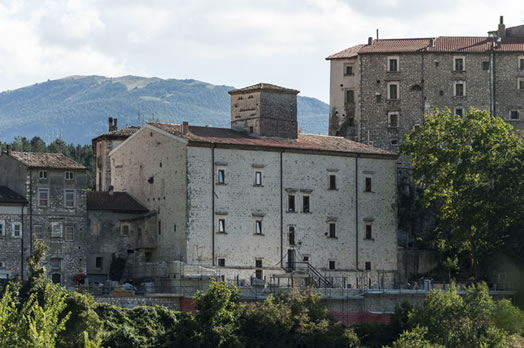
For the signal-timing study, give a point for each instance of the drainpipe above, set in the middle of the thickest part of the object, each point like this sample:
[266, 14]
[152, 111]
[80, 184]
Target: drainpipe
[281, 212]
[494, 79]
[213, 203]
[22, 245]
[356, 211]
[31, 212]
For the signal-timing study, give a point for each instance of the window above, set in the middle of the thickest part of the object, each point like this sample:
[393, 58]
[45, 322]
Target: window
[350, 96]
[69, 176]
[69, 198]
[221, 225]
[55, 263]
[378, 98]
[148, 256]
[305, 258]
[2, 228]
[259, 273]
[485, 66]
[69, 233]
[459, 63]
[17, 230]
[331, 264]
[56, 278]
[368, 266]
[332, 230]
[393, 119]
[56, 230]
[2, 264]
[332, 182]
[393, 93]
[521, 63]
[305, 204]
[368, 185]
[221, 176]
[459, 112]
[42, 175]
[459, 88]
[393, 64]
[291, 235]
[258, 178]
[99, 262]
[348, 69]
[124, 231]
[38, 231]
[291, 203]
[43, 197]
[221, 262]
[521, 83]
[258, 227]
[513, 115]
[369, 232]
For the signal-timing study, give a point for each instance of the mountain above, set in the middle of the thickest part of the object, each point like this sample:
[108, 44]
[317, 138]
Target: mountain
[76, 108]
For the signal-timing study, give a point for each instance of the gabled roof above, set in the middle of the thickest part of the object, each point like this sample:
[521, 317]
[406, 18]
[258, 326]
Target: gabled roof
[306, 142]
[351, 52]
[9, 196]
[122, 133]
[116, 201]
[45, 160]
[396, 46]
[264, 87]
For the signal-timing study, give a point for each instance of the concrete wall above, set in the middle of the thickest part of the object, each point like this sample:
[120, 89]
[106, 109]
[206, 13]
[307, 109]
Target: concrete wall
[151, 166]
[103, 164]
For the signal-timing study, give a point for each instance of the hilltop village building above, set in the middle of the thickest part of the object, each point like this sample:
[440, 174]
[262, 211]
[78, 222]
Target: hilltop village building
[42, 195]
[260, 199]
[379, 91]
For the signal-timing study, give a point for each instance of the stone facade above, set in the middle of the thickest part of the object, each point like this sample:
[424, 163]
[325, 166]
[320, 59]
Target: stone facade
[251, 207]
[56, 212]
[12, 256]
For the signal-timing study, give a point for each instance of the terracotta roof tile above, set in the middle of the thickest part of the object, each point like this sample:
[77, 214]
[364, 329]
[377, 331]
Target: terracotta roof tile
[118, 202]
[46, 160]
[305, 142]
[265, 87]
[462, 44]
[396, 46]
[9, 196]
[122, 133]
[347, 53]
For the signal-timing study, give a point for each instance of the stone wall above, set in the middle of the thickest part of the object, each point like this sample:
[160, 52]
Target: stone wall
[11, 255]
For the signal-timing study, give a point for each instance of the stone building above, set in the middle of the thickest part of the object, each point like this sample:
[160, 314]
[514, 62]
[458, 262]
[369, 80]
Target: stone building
[115, 232]
[55, 188]
[259, 199]
[12, 252]
[102, 145]
[380, 91]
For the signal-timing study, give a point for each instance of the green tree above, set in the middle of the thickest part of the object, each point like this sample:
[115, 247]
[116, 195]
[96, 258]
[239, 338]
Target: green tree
[471, 167]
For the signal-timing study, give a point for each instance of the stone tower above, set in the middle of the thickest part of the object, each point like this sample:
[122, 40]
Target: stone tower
[265, 110]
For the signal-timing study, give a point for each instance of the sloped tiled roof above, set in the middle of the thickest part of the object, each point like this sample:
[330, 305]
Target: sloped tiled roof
[347, 53]
[462, 44]
[9, 196]
[265, 87]
[45, 160]
[117, 202]
[122, 133]
[305, 142]
[396, 46]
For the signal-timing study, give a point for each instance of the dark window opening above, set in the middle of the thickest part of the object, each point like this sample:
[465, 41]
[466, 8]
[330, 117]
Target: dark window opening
[291, 203]
[99, 262]
[259, 273]
[306, 258]
[350, 96]
[291, 235]
[332, 182]
[332, 230]
[56, 278]
[393, 65]
[393, 120]
[368, 184]
[305, 204]
[368, 232]
[368, 266]
[485, 65]
[514, 115]
[159, 228]
[250, 129]
[147, 256]
[459, 90]
[459, 64]
[331, 264]
[349, 70]
[221, 262]
[393, 91]
[459, 112]
[378, 98]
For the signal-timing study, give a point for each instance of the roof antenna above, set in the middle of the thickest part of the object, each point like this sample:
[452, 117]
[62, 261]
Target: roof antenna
[377, 34]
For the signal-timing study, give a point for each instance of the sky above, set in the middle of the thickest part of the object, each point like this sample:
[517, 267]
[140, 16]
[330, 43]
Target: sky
[227, 42]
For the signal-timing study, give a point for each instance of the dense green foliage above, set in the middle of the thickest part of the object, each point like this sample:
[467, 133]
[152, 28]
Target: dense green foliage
[471, 167]
[82, 154]
[76, 108]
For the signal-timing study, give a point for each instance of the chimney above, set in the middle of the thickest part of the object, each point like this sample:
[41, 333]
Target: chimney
[185, 127]
[8, 149]
[115, 123]
[502, 28]
[432, 42]
[370, 40]
[110, 121]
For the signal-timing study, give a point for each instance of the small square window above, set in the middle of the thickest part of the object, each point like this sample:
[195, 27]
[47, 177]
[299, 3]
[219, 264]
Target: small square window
[348, 69]
[332, 182]
[69, 233]
[99, 263]
[332, 230]
[459, 112]
[378, 98]
[368, 185]
[221, 262]
[394, 142]
[368, 266]
[485, 66]
[305, 258]
[43, 175]
[258, 227]
[2, 264]
[221, 176]
[69, 198]
[221, 225]
[305, 204]
[291, 203]
[393, 118]
[368, 231]
[258, 178]
[514, 115]
[148, 256]
[69, 176]
[331, 264]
